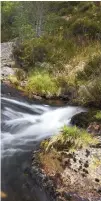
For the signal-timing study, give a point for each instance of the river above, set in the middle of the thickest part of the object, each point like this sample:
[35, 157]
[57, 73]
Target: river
[24, 124]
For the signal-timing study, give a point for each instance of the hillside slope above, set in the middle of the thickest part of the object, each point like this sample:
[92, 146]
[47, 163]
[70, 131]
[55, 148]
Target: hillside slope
[66, 59]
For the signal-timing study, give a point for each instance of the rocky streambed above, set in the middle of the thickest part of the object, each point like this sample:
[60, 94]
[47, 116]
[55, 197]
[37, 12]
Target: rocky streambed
[70, 176]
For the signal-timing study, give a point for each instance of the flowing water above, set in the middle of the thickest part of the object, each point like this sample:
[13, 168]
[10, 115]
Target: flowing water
[23, 126]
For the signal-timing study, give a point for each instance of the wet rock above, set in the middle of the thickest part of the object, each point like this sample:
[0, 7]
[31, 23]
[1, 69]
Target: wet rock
[74, 178]
[80, 120]
[43, 180]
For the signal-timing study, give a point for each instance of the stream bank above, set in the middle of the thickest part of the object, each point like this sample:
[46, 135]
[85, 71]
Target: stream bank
[23, 127]
[70, 176]
[71, 182]
[40, 177]
[9, 71]
[14, 75]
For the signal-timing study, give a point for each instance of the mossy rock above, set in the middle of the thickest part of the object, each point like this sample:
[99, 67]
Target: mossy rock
[83, 119]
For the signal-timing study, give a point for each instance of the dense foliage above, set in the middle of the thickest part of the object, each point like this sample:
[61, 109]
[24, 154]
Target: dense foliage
[58, 38]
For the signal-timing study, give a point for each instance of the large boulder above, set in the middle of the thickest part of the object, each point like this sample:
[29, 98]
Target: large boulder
[7, 60]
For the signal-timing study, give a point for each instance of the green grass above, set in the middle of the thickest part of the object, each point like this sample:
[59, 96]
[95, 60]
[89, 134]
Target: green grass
[98, 115]
[42, 83]
[87, 77]
[58, 71]
[69, 138]
[91, 70]
[13, 79]
[52, 49]
[68, 54]
[90, 92]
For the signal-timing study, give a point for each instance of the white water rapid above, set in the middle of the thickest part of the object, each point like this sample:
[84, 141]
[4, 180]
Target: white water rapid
[24, 124]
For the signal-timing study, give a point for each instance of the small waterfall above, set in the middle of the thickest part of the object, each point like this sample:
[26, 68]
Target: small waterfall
[24, 124]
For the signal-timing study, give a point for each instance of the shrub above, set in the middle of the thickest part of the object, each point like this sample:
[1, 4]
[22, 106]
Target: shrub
[50, 49]
[87, 28]
[62, 80]
[91, 70]
[28, 52]
[53, 47]
[42, 83]
[70, 138]
[90, 93]
[85, 7]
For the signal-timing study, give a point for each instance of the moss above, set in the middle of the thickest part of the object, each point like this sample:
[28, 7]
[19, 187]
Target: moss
[84, 119]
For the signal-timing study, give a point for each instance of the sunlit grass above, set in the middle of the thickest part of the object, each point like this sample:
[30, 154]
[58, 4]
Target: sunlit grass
[98, 115]
[42, 83]
[13, 79]
[70, 138]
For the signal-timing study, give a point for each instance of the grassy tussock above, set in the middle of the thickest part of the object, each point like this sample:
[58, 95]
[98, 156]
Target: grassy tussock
[69, 138]
[42, 83]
